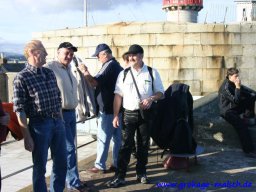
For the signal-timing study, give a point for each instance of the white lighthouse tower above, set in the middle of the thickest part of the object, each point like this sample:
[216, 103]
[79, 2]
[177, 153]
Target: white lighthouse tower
[181, 11]
[245, 10]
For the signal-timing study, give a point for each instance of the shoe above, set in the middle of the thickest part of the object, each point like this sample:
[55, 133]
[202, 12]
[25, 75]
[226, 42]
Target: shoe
[116, 182]
[251, 154]
[143, 179]
[81, 188]
[96, 170]
[112, 168]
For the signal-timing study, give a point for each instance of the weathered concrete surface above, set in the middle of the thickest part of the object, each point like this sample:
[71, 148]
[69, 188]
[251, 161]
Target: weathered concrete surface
[214, 170]
[191, 53]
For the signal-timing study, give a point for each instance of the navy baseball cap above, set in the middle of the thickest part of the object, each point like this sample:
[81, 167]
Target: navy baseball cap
[99, 48]
[68, 46]
[134, 49]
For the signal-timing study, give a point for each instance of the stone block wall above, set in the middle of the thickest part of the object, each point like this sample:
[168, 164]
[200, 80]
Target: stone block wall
[3, 87]
[195, 54]
[9, 80]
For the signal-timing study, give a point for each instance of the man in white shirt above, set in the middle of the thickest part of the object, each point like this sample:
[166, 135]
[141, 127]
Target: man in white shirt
[127, 96]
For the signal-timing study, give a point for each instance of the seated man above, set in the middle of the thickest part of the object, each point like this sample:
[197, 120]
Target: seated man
[234, 100]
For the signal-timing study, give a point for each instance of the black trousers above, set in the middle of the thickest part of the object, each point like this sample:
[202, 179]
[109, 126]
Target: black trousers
[132, 121]
[242, 130]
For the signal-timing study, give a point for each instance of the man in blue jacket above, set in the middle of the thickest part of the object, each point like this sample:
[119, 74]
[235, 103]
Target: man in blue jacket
[104, 82]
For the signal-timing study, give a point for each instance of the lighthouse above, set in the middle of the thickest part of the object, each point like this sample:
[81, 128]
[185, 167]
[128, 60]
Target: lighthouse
[245, 10]
[181, 11]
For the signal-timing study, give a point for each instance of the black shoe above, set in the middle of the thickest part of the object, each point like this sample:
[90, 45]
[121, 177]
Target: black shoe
[112, 168]
[143, 179]
[116, 182]
[82, 188]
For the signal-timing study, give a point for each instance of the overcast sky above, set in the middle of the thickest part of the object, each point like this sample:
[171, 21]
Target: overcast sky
[19, 18]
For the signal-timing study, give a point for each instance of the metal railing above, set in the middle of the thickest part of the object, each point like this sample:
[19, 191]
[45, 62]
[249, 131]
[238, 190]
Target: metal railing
[31, 166]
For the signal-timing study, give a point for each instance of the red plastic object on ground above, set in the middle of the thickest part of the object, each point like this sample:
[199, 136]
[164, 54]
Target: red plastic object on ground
[3, 129]
[13, 124]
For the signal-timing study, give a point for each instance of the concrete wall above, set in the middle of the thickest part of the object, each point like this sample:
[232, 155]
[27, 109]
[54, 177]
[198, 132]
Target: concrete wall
[3, 87]
[9, 80]
[6, 86]
[196, 54]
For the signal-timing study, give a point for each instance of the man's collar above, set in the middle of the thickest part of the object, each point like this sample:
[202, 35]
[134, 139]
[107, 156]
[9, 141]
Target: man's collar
[141, 68]
[33, 68]
[63, 66]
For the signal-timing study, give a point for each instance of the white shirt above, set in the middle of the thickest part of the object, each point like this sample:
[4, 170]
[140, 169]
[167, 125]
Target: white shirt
[143, 79]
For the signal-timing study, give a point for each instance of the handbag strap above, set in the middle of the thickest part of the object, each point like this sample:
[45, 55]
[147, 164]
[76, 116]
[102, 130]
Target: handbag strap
[135, 85]
[141, 111]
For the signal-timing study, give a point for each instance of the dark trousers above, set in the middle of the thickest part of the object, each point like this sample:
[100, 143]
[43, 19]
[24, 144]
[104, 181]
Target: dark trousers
[247, 104]
[132, 121]
[241, 128]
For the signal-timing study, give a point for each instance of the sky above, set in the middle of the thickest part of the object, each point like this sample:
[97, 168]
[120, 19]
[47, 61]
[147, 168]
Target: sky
[20, 18]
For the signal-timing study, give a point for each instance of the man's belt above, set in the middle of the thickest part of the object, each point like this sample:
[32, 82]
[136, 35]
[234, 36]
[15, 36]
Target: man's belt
[68, 110]
[54, 115]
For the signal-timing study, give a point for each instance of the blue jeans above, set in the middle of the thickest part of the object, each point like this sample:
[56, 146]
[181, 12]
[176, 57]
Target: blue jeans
[72, 178]
[48, 133]
[106, 131]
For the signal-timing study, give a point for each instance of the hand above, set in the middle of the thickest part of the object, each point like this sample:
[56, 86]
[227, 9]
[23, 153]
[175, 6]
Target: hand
[4, 120]
[116, 122]
[83, 68]
[28, 141]
[146, 103]
[238, 83]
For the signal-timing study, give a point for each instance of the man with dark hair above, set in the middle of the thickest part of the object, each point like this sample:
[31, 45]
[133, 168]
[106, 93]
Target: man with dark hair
[236, 100]
[37, 97]
[104, 82]
[126, 95]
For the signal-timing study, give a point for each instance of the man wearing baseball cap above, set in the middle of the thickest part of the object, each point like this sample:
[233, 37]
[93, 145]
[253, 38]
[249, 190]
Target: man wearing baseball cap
[104, 82]
[126, 95]
[68, 86]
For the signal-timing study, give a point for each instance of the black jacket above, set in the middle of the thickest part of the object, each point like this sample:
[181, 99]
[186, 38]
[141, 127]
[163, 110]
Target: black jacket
[172, 123]
[106, 79]
[230, 97]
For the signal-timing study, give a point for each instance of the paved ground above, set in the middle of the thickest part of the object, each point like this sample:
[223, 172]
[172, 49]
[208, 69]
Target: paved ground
[16, 163]
[217, 170]
[222, 166]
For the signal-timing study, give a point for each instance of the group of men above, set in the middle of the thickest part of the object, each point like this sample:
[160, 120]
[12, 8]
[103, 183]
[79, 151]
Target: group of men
[48, 93]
